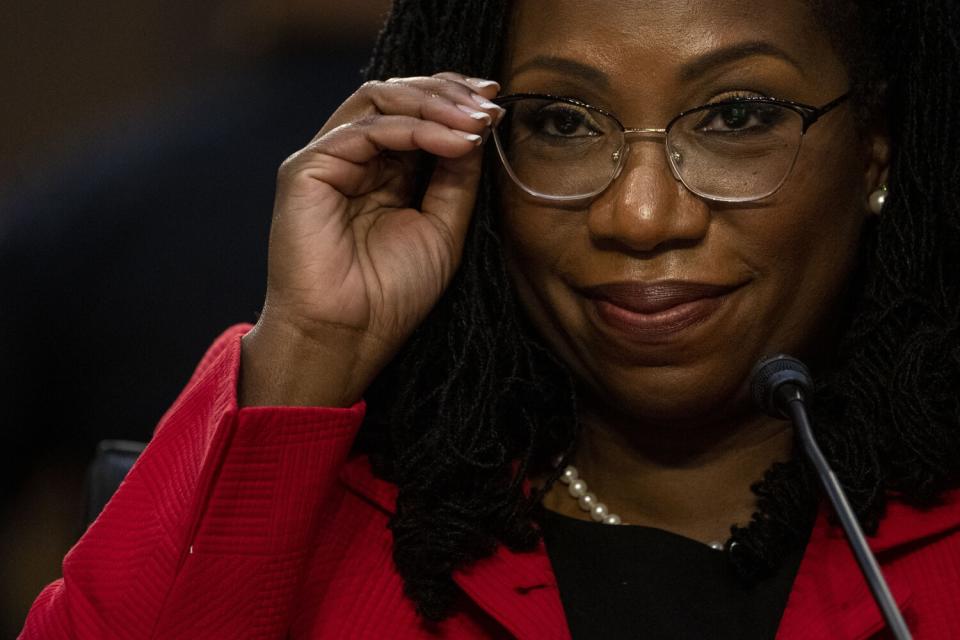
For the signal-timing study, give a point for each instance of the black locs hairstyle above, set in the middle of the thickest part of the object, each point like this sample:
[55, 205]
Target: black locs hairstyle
[474, 403]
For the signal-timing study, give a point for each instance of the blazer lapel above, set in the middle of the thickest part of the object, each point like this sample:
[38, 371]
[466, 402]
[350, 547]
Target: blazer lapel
[520, 591]
[830, 597]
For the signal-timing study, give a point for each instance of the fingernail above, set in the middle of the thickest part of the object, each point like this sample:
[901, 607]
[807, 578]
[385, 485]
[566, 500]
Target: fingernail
[483, 102]
[472, 137]
[480, 83]
[476, 115]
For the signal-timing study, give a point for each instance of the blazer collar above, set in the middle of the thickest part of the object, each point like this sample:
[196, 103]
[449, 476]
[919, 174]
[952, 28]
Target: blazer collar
[830, 596]
[519, 590]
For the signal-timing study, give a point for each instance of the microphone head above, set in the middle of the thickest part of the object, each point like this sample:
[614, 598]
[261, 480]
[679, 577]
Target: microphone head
[768, 377]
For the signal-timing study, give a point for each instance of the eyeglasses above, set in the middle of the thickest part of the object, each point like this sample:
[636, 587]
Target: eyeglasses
[738, 150]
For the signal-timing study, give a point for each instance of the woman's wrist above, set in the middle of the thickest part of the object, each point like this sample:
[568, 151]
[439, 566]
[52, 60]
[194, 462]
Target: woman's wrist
[279, 366]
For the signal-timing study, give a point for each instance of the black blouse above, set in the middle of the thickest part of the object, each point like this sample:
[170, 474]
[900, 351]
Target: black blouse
[641, 582]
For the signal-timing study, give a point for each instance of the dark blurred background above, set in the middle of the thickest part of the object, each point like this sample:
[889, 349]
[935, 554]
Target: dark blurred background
[138, 149]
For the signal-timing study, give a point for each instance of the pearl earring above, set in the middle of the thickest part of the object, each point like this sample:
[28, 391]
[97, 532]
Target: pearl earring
[877, 199]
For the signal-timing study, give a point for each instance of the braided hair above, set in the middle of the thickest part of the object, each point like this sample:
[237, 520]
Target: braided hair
[474, 403]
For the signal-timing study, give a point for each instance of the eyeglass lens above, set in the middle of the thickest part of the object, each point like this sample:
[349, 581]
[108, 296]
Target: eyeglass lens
[736, 151]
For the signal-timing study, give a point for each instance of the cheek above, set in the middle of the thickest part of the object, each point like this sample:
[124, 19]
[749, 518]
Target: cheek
[538, 242]
[805, 245]
[543, 249]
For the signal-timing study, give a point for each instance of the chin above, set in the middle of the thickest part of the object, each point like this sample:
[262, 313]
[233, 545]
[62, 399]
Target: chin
[670, 395]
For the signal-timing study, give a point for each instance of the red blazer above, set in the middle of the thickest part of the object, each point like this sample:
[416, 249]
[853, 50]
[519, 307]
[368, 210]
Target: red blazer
[253, 523]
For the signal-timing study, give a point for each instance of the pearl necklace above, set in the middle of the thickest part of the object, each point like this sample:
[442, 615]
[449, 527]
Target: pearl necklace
[577, 488]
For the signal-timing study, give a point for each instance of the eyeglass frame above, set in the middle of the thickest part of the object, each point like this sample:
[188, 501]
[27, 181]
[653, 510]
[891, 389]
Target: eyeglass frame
[808, 113]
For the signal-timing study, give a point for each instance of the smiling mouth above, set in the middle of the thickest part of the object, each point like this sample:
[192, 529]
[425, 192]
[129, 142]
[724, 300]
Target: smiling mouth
[656, 311]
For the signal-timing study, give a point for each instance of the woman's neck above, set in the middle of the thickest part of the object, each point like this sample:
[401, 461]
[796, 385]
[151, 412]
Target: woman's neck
[691, 480]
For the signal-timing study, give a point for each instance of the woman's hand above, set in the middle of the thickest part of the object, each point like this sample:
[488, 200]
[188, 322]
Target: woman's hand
[353, 267]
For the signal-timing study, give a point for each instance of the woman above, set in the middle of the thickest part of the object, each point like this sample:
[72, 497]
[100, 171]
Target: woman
[620, 276]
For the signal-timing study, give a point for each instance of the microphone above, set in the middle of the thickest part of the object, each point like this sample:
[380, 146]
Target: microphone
[780, 386]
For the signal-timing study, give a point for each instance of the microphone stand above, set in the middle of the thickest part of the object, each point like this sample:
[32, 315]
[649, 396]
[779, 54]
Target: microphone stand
[792, 398]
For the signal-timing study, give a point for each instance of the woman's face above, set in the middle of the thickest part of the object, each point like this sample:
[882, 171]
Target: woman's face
[782, 262]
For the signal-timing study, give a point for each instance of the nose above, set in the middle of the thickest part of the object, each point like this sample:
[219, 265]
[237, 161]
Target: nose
[647, 208]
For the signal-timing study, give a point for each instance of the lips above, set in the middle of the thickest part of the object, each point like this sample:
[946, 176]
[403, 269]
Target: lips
[656, 311]
[654, 297]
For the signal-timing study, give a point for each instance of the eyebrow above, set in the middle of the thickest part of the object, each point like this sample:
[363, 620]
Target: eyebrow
[689, 71]
[733, 53]
[566, 66]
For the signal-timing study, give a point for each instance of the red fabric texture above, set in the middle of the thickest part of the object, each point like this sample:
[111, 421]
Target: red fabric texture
[256, 523]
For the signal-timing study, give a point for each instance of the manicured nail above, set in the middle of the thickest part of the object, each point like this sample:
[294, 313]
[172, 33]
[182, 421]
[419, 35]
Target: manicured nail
[480, 83]
[476, 115]
[472, 137]
[483, 102]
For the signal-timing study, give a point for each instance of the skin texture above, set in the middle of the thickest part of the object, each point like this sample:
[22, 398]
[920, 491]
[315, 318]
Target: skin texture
[670, 437]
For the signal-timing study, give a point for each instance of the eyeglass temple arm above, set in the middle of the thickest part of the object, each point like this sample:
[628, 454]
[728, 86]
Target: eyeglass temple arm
[811, 116]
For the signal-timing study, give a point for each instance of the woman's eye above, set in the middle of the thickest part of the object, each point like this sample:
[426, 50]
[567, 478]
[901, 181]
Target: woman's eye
[740, 117]
[565, 122]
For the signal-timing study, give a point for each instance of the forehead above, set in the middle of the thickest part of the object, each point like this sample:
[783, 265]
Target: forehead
[657, 37]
